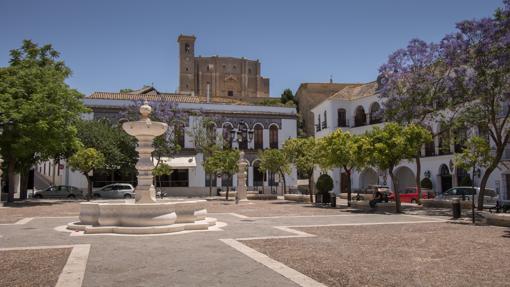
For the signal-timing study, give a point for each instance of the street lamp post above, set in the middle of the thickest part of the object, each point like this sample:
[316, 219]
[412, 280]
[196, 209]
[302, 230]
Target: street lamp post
[241, 134]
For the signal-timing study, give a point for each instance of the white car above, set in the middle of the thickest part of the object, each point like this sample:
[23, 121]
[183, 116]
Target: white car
[115, 190]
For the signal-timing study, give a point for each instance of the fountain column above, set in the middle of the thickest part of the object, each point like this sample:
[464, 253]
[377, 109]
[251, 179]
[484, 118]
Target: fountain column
[145, 131]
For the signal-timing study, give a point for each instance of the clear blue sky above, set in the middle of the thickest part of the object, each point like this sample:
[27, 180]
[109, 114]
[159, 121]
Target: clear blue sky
[111, 45]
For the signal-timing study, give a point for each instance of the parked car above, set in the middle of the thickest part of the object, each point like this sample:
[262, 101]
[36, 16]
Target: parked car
[410, 194]
[115, 190]
[60, 191]
[490, 196]
[368, 193]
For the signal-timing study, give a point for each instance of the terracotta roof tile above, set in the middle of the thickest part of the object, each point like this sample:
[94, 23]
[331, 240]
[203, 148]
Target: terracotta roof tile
[150, 97]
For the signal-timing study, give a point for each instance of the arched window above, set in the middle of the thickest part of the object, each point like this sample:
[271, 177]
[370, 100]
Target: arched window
[341, 120]
[258, 137]
[375, 114]
[227, 137]
[325, 121]
[273, 136]
[187, 48]
[318, 126]
[360, 118]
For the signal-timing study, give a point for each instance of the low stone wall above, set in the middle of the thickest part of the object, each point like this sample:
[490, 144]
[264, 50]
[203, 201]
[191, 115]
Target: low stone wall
[187, 191]
[365, 204]
[353, 196]
[444, 203]
[498, 219]
[231, 194]
[305, 198]
[256, 196]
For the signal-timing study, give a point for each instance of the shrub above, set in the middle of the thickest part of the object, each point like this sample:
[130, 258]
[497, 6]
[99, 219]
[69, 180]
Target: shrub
[426, 183]
[324, 183]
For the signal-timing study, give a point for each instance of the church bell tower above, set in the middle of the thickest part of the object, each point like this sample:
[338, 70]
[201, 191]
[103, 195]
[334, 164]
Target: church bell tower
[186, 64]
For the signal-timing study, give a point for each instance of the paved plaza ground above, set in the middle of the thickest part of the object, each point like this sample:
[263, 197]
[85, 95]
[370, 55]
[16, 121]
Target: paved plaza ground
[257, 243]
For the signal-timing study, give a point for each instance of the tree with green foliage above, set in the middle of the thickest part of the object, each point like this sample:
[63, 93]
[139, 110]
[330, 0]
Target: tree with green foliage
[388, 146]
[287, 96]
[125, 91]
[118, 148]
[276, 162]
[476, 154]
[417, 136]
[161, 170]
[43, 108]
[343, 150]
[86, 160]
[302, 152]
[223, 162]
[212, 167]
[205, 139]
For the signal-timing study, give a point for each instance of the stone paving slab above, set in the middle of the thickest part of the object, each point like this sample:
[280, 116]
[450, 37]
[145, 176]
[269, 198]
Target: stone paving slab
[428, 254]
[191, 259]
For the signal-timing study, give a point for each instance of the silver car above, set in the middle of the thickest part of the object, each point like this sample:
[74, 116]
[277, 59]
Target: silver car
[115, 190]
[490, 196]
[60, 191]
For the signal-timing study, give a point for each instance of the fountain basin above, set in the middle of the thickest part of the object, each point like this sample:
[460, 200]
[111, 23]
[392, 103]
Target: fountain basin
[142, 218]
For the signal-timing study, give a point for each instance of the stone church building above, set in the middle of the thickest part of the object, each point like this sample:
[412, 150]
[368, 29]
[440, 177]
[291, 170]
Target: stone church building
[219, 76]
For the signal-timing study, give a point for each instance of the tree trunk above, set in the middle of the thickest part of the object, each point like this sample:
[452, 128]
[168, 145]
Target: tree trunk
[228, 189]
[89, 187]
[349, 192]
[11, 174]
[310, 187]
[483, 184]
[418, 176]
[473, 196]
[395, 191]
[210, 184]
[23, 183]
[284, 182]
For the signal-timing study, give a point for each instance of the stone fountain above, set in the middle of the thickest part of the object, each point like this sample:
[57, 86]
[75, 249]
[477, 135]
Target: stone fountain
[145, 215]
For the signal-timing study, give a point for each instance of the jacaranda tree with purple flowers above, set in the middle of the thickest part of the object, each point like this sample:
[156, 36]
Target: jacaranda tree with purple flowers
[480, 53]
[414, 87]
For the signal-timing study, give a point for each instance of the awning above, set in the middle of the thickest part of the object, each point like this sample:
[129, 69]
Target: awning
[183, 162]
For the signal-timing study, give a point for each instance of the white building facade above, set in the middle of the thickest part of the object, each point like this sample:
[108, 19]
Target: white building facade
[356, 110]
[265, 127]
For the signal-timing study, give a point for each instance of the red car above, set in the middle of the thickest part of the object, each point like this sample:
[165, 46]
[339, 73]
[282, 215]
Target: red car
[410, 194]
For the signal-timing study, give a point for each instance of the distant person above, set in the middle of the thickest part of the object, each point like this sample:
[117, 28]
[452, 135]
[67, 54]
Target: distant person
[378, 197]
